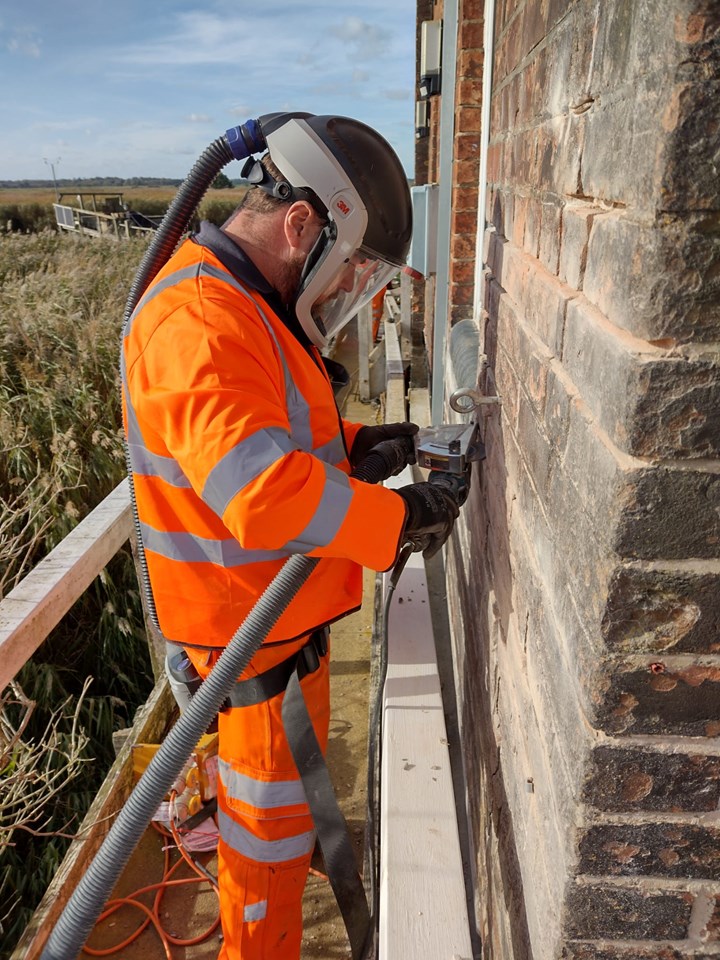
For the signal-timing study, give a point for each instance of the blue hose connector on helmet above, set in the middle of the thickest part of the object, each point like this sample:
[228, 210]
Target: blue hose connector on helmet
[245, 139]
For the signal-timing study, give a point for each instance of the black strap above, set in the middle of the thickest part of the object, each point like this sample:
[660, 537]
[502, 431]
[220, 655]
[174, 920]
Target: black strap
[332, 831]
[269, 684]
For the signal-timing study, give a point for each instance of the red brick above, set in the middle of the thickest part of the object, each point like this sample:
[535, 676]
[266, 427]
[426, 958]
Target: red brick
[469, 92]
[462, 246]
[465, 198]
[652, 402]
[471, 34]
[467, 120]
[462, 293]
[465, 172]
[463, 221]
[470, 63]
[467, 146]
[472, 9]
[463, 271]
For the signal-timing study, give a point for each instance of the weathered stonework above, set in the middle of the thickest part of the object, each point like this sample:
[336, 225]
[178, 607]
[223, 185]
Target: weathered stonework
[584, 574]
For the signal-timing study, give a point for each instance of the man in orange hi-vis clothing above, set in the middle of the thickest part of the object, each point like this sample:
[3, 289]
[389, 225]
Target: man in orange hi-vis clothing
[240, 459]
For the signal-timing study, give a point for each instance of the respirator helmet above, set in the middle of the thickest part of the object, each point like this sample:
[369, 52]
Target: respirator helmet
[354, 180]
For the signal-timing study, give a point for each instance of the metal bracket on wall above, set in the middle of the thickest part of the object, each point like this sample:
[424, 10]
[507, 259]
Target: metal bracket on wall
[466, 400]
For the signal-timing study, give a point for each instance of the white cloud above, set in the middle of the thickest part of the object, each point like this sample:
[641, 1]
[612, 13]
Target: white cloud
[24, 46]
[367, 39]
[199, 118]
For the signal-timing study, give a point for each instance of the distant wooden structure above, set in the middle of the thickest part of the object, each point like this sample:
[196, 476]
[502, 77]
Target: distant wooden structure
[101, 213]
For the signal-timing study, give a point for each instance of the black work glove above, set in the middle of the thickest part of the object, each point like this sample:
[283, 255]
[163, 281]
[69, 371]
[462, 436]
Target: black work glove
[431, 515]
[368, 437]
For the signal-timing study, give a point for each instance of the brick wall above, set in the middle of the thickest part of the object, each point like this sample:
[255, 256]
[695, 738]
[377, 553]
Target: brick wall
[584, 580]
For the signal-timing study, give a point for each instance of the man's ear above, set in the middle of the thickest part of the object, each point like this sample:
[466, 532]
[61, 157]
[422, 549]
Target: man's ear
[302, 226]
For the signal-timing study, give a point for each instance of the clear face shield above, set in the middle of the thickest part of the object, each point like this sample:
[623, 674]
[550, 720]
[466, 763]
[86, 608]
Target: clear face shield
[355, 283]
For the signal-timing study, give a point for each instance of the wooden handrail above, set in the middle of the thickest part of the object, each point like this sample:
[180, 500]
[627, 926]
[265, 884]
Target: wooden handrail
[38, 603]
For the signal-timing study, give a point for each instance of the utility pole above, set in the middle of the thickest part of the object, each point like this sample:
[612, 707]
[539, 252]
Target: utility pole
[51, 164]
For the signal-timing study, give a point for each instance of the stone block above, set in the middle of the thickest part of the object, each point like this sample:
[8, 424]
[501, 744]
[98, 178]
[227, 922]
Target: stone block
[577, 220]
[670, 850]
[517, 235]
[632, 42]
[597, 911]
[532, 226]
[560, 155]
[533, 28]
[660, 698]
[651, 402]
[689, 180]
[655, 607]
[621, 146]
[713, 927]
[550, 235]
[604, 951]
[543, 298]
[671, 513]
[658, 282]
[623, 779]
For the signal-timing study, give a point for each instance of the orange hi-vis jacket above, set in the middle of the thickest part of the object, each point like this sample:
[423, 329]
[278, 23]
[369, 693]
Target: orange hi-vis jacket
[239, 455]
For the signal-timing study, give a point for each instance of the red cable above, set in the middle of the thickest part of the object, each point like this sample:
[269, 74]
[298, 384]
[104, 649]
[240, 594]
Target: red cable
[153, 915]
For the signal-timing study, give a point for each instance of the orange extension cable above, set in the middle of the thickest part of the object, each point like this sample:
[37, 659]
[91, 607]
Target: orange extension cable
[153, 914]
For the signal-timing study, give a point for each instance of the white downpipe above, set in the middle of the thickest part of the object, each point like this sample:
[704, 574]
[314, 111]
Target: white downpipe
[488, 48]
[445, 182]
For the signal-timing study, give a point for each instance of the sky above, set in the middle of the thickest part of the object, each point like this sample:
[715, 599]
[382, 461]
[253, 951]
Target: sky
[141, 87]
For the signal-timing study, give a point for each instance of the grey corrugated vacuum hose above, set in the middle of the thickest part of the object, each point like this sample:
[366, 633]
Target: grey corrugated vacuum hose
[90, 895]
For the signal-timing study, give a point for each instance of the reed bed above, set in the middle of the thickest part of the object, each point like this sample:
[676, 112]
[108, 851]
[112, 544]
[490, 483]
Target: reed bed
[61, 306]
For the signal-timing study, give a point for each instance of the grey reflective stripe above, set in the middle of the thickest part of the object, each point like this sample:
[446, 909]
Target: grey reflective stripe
[254, 911]
[332, 452]
[188, 548]
[244, 463]
[258, 793]
[149, 464]
[263, 851]
[144, 462]
[186, 273]
[329, 513]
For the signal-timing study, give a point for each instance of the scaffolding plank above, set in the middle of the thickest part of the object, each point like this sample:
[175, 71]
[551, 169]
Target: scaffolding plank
[423, 908]
[37, 604]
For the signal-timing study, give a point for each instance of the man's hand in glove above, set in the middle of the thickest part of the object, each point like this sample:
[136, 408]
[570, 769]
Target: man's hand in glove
[431, 515]
[368, 437]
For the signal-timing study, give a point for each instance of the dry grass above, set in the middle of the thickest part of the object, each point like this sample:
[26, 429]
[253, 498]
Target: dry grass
[134, 196]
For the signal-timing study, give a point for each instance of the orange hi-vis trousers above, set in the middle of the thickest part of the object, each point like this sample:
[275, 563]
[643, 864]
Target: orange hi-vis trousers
[266, 831]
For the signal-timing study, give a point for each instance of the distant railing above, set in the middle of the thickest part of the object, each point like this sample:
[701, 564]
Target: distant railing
[118, 225]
